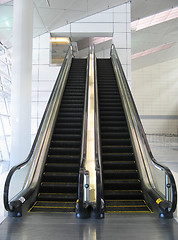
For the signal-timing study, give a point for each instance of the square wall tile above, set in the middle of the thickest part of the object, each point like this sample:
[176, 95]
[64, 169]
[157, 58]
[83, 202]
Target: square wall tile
[41, 108]
[122, 55]
[46, 86]
[119, 40]
[120, 17]
[48, 73]
[36, 41]
[35, 56]
[44, 56]
[34, 96]
[44, 96]
[35, 72]
[34, 86]
[120, 27]
[45, 40]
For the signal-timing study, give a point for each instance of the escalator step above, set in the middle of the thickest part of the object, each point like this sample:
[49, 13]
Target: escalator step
[122, 184]
[69, 101]
[55, 187]
[118, 156]
[65, 143]
[123, 194]
[127, 206]
[71, 105]
[66, 137]
[48, 196]
[62, 151]
[67, 131]
[115, 135]
[60, 176]
[69, 109]
[70, 114]
[63, 158]
[128, 209]
[113, 123]
[124, 142]
[113, 118]
[50, 206]
[115, 113]
[68, 125]
[117, 149]
[120, 165]
[120, 174]
[71, 98]
[69, 119]
[111, 129]
[64, 167]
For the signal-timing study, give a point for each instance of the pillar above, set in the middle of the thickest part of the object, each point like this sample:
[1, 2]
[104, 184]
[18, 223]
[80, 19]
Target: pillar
[21, 80]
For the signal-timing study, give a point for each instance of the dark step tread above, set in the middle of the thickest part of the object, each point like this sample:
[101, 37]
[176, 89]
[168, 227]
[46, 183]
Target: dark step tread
[61, 174]
[48, 196]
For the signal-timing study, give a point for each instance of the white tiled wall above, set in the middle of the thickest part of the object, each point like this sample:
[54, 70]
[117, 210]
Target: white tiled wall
[155, 90]
[43, 78]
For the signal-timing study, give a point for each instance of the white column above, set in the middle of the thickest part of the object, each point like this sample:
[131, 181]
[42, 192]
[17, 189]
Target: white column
[21, 80]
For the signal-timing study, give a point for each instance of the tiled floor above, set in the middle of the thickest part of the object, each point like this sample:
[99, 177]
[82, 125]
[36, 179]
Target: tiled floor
[61, 226]
[66, 226]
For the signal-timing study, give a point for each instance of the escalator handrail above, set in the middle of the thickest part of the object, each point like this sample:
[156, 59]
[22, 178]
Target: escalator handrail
[142, 132]
[40, 132]
[79, 206]
[85, 120]
[98, 162]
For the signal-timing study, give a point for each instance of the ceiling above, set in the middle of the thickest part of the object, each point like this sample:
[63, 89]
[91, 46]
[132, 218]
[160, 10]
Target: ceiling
[48, 18]
[60, 13]
[154, 36]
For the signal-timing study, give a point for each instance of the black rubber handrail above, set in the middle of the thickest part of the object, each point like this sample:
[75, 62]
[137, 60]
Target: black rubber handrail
[7, 206]
[140, 127]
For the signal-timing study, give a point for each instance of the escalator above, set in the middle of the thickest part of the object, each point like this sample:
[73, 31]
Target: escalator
[53, 176]
[59, 183]
[121, 180]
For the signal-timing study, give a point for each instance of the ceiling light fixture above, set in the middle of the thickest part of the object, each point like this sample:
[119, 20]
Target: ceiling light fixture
[60, 40]
[152, 50]
[154, 19]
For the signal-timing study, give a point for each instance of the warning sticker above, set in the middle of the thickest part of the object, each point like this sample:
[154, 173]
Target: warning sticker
[158, 200]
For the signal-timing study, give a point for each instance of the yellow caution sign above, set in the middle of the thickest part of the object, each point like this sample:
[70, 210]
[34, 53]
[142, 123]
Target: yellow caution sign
[158, 200]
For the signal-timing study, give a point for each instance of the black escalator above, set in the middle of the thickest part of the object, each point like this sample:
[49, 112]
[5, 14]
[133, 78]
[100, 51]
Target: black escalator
[122, 186]
[59, 184]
